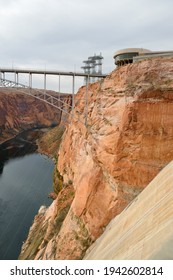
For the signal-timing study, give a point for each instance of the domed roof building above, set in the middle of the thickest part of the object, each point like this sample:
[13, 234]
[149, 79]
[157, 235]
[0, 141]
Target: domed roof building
[130, 55]
[126, 56]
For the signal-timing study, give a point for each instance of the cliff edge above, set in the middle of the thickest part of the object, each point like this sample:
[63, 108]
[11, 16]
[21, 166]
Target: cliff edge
[103, 166]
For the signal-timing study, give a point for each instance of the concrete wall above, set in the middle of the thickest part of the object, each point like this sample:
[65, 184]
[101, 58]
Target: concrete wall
[144, 230]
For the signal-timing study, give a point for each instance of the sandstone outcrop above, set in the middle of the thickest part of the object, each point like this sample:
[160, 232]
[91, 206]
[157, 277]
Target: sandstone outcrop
[49, 143]
[126, 142]
[19, 112]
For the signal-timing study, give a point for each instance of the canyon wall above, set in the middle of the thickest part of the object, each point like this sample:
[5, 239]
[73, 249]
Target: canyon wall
[104, 165]
[19, 112]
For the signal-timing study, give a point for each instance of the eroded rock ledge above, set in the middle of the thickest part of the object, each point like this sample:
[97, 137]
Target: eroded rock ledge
[105, 165]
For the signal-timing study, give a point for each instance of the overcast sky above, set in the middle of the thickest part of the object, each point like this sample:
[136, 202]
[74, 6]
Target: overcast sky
[60, 34]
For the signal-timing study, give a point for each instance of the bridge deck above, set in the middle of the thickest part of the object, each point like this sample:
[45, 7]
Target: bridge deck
[50, 72]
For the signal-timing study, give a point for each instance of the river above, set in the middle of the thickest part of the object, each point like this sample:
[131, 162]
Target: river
[25, 182]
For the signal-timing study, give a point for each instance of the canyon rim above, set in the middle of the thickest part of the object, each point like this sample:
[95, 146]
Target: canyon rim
[103, 166]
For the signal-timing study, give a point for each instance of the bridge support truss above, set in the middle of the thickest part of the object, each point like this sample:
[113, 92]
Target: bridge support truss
[43, 95]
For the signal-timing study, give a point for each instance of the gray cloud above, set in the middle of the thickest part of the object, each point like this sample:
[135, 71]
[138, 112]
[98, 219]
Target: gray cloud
[62, 33]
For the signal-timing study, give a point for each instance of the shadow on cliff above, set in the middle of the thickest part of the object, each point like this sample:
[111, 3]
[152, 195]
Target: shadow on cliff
[21, 145]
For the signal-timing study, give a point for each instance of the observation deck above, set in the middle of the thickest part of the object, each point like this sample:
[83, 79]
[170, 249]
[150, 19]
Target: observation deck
[126, 56]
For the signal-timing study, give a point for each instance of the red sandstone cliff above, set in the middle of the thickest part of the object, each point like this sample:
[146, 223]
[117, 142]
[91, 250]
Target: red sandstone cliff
[19, 111]
[103, 166]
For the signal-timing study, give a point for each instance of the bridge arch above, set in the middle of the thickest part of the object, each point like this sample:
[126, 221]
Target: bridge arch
[42, 95]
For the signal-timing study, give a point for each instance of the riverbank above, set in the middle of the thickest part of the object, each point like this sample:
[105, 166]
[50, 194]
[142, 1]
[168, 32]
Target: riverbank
[41, 137]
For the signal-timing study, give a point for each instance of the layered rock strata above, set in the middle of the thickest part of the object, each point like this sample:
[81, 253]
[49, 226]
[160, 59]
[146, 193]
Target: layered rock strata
[19, 112]
[109, 161]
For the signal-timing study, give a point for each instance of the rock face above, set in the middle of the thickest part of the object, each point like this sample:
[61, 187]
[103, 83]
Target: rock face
[126, 142]
[19, 112]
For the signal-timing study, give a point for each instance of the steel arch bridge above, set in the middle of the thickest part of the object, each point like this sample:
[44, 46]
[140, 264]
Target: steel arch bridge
[36, 93]
[44, 96]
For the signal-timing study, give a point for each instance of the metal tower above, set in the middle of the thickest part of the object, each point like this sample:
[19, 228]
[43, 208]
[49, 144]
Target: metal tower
[93, 65]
